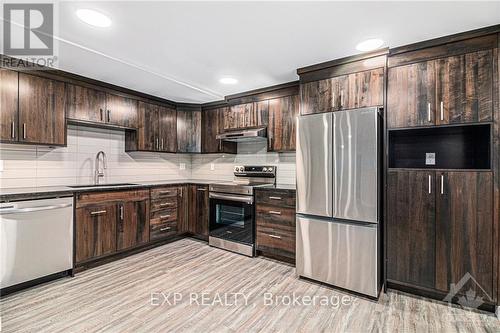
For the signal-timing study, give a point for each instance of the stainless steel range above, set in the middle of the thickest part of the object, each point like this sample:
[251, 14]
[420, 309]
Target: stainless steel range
[232, 210]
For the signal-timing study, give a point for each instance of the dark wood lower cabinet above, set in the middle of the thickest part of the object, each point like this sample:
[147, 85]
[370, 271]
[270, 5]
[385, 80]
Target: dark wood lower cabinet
[275, 223]
[411, 225]
[198, 210]
[133, 224]
[440, 231]
[109, 222]
[464, 232]
[95, 231]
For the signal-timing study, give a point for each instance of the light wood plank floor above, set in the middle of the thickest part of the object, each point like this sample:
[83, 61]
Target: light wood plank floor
[117, 298]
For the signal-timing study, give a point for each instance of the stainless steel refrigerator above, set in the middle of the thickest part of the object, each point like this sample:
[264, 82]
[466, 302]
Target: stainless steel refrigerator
[338, 199]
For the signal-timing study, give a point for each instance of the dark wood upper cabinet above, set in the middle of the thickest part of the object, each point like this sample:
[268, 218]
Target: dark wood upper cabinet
[212, 124]
[8, 105]
[350, 91]
[411, 227]
[95, 233]
[85, 104]
[133, 224]
[41, 110]
[189, 131]
[121, 111]
[167, 127]
[245, 115]
[411, 95]
[281, 130]
[147, 134]
[464, 237]
[450, 90]
[464, 90]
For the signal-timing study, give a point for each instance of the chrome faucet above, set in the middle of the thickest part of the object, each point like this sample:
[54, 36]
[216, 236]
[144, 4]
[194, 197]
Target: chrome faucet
[99, 172]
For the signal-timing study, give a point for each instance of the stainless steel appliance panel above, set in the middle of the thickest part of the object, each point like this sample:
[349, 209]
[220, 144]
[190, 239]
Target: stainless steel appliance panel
[314, 165]
[36, 239]
[340, 254]
[355, 162]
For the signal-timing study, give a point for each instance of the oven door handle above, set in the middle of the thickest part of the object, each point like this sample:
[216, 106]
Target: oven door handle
[238, 198]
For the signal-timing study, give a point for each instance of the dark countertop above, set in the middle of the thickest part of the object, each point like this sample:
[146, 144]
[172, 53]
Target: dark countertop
[28, 193]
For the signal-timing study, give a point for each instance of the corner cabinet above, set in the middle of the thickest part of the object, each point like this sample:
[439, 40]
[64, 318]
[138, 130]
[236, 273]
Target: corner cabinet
[449, 90]
[439, 228]
[156, 129]
[189, 131]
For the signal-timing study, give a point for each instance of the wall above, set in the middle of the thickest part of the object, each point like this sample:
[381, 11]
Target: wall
[248, 154]
[30, 166]
[26, 166]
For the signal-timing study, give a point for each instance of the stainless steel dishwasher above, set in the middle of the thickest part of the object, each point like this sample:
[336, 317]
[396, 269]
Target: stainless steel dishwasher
[36, 240]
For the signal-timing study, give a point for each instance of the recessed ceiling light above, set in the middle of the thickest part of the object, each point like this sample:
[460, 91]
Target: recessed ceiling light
[369, 44]
[93, 17]
[228, 80]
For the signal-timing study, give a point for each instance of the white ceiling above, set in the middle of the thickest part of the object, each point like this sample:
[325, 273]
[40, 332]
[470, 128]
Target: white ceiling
[179, 50]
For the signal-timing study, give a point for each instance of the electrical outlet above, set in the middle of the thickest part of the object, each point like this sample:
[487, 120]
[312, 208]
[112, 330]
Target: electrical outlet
[212, 166]
[430, 158]
[182, 166]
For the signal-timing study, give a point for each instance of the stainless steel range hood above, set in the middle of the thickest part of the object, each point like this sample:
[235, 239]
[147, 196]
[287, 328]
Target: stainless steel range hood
[244, 135]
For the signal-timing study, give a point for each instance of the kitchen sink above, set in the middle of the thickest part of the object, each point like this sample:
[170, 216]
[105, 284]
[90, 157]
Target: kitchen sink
[101, 185]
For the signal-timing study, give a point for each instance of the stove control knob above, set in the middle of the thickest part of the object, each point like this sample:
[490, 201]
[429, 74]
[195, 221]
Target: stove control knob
[264, 169]
[270, 169]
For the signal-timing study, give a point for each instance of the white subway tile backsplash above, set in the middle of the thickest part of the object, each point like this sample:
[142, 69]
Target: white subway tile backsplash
[29, 166]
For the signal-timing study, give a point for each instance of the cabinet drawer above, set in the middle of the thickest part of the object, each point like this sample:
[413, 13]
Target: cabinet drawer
[280, 241]
[163, 216]
[163, 230]
[281, 198]
[163, 192]
[92, 198]
[274, 216]
[165, 203]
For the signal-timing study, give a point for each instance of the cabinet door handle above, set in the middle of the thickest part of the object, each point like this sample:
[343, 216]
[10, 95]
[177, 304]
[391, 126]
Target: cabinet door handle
[109, 116]
[24, 130]
[164, 216]
[429, 112]
[165, 229]
[121, 212]
[98, 212]
[430, 185]
[341, 98]
[13, 129]
[100, 111]
[274, 236]
[157, 144]
[274, 212]
[442, 184]
[161, 143]
[442, 110]
[275, 198]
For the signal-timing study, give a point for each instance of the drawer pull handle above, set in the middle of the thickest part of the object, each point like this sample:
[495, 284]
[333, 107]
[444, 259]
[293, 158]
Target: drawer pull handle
[165, 192]
[201, 189]
[98, 212]
[275, 198]
[165, 229]
[166, 204]
[164, 216]
[274, 236]
[274, 212]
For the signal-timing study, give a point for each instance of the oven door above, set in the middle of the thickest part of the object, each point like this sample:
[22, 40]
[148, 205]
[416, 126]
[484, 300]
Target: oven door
[232, 217]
